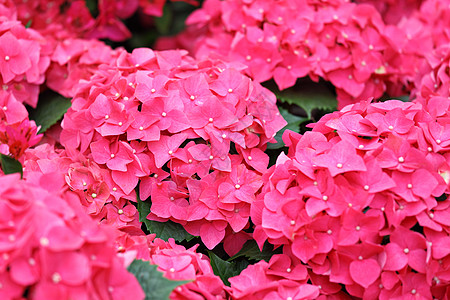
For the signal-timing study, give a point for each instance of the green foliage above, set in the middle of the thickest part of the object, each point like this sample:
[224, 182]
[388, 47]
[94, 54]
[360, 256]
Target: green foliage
[155, 286]
[225, 269]
[10, 165]
[293, 123]
[251, 251]
[163, 230]
[50, 109]
[309, 96]
[164, 22]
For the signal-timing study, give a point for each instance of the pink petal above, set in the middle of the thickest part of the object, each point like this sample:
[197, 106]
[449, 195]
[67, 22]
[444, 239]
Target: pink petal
[365, 272]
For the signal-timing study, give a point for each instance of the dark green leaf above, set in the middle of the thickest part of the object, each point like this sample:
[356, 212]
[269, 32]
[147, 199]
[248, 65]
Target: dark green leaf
[163, 230]
[225, 269]
[251, 251]
[10, 165]
[309, 96]
[50, 109]
[293, 123]
[155, 286]
[28, 25]
[164, 22]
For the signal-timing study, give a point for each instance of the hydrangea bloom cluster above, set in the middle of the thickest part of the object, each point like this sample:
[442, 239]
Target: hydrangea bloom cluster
[433, 80]
[362, 200]
[280, 278]
[73, 18]
[88, 183]
[172, 122]
[178, 263]
[50, 249]
[345, 43]
[24, 59]
[16, 138]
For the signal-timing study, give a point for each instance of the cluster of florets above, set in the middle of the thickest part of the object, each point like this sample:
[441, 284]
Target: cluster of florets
[50, 249]
[433, 81]
[75, 18]
[24, 59]
[16, 138]
[176, 263]
[345, 43]
[88, 183]
[186, 129]
[362, 200]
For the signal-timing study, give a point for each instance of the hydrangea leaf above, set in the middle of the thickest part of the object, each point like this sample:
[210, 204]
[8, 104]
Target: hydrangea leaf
[251, 251]
[155, 286]
[309, 96]
[49, 110]
[225, 269]
[10, 165]
[164, 22]
[293, 124]
[163, 230]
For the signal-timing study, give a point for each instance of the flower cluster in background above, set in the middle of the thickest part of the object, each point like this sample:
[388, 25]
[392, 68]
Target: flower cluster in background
[347, 44]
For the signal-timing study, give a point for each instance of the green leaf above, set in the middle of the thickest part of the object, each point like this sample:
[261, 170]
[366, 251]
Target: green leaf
[225, 269]
[164, 22]
[251, 251]
[10, 165]
[50, 109]
[163, 230]
[28, 25]
[293, 123]
[155, 286]
[309, 96]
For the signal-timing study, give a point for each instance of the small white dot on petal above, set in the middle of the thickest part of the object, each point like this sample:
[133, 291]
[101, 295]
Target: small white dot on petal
[288, 270]
[406, 250]
[117, 94]
[249, 158]
[56, 277]
[380, 286]
[5, 108]
[360, 257]
[210, 120]
[431, 215]
[350, 205]
[7, 58]
[170, 152]
[211, 157]
[164, 114]
[120, 123]
[113, 155]
[224, 135]
[325, 198]
[429, 149]
[114, 189]
[153, 90]
[171, 270]
[172, 198]
[382, 209]
[401, 159]
[391, 127]
[363, 63]
[125, 98]
[269, 60]
[339, 165]
[366, 187]
[361, 146]
[413, 291]
[248, 57]
[141, 128]
[438, 142]
[315, 183]
[289, 298]
[120, 211]
[409, 186]
[106, 117]
[236, 210]
[31, 261]
[190, 161]
[44, 241]
[237, 186]
[94, 195]
[337, 58]
[292, 222]
[371, 47]
[230, 90]
[329, 231]
[192, 97]
[357, 228]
